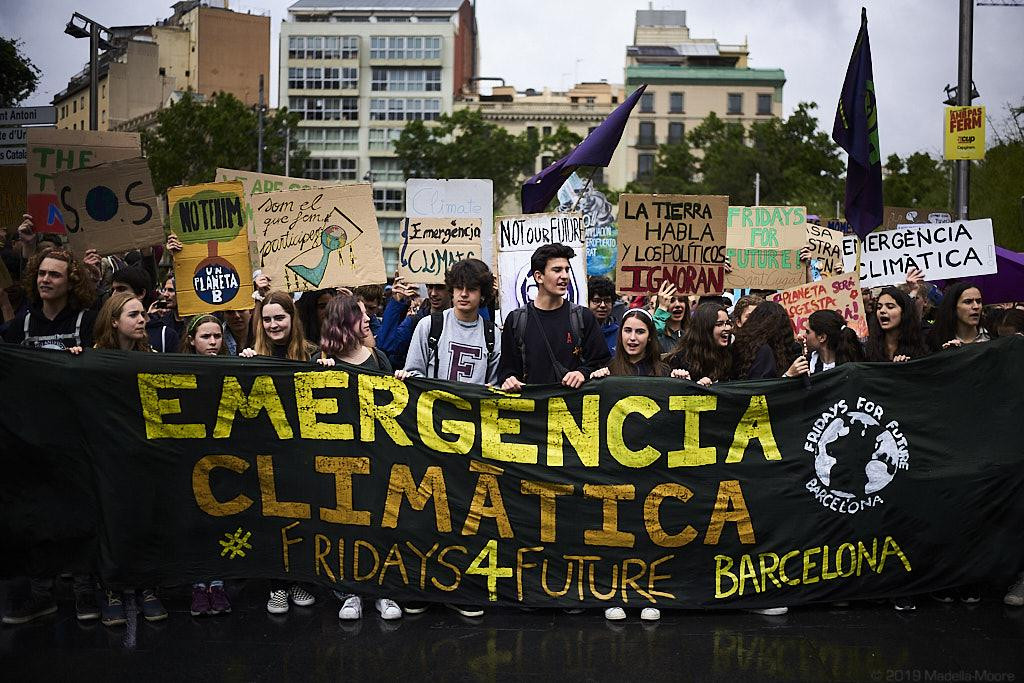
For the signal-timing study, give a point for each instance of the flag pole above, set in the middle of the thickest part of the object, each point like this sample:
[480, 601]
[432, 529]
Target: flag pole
[583, 190]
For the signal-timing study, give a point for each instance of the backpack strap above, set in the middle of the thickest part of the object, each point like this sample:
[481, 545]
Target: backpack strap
[576, 325]
[434, 339]
[489, 338]
[78, 328]
[163, 339]
[28, 315]
[518, 319]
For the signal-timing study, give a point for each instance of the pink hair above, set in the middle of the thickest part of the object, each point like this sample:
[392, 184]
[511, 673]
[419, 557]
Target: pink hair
[342, 331]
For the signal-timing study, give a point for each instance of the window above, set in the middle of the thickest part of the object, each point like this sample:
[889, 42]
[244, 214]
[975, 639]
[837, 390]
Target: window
[676, 131]
[646, 138]
[388, 200]
[390, 229]
[390, 260]
[546, 131]
[323, 47]
[644, 166]
[404, 109]
[764, 104]
[328, 139]
[384, 169]
[325, 108]
[74, 106]
[735, 105]
[384, 138]
[647, 103]
[675, 103]
[408, 80]
[330, 169]
[405, 47]
[349, 78]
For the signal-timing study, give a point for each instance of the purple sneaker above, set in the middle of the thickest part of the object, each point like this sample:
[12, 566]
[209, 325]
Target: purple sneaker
[219, 603]
[200, 601]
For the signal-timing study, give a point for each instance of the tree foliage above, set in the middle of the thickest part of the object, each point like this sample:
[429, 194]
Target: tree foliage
[919, 180]
[997, 192]
[19, 77]
[192, 139]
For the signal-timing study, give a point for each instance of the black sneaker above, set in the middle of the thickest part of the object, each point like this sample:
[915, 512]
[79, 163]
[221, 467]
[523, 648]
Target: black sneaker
[150, 605]
[415, 607]
[466, 610]
[944, 597]
[112, 609]
[86, 608]
[969, 595]
[35, 606]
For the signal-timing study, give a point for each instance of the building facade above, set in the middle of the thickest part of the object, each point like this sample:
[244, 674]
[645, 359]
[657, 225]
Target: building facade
[687, 79]
[202, 46]
[357, 71]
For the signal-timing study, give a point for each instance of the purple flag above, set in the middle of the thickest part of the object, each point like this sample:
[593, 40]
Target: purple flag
[1004, 286]
[856, 131]
[595, 150]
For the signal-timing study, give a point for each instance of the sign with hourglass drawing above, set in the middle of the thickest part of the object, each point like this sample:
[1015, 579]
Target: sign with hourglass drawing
[318, 238]
[212, 269]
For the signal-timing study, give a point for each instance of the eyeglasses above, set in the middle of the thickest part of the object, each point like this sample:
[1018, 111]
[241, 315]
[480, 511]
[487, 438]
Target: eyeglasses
[601, 300]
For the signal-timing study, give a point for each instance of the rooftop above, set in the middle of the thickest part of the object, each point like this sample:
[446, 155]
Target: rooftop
[378, 5]
[645, 73]
[660, 17]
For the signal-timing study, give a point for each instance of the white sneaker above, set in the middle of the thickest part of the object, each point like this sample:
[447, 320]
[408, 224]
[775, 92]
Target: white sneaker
[770, 611]
[278, 602]
[1015, 596]
[352, 608]
[300, 596]
[614, 613]
[389, 609]
[650, 614]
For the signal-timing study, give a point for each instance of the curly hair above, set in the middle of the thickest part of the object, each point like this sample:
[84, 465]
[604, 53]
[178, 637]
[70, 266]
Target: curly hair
[768, 324]
[342, 332]
[471, 273]
[81, 290]
[297, 346]
[546, 252]
[104, 335]
[697, 351]
[910, 339]
[742, 304]
[620, 364]
[194, 323]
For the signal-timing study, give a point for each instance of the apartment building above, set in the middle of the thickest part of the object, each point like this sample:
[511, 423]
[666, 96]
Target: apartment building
[203, 46]
[357, 71]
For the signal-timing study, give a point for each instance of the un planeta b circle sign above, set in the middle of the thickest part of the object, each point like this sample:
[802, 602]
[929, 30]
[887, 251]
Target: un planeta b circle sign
[215, 280]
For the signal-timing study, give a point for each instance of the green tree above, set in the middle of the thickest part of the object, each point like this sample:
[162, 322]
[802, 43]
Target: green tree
[919, 180]
[997, 192]
[192, 139]
[675, 168]
[560, 142]
[19, 77]
[464, 145]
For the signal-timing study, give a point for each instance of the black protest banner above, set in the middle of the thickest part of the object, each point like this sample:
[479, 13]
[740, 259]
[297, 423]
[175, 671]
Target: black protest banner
[627, 492]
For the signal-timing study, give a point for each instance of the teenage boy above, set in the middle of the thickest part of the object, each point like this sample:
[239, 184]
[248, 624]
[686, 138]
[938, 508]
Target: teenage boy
[60, 296]
[396, 326]
[551, 340]
[457, 344]
[601, 291]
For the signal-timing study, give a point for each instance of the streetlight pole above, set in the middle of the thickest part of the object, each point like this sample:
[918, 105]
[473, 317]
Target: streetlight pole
[81, 26]
[259, 151]
[963, 96]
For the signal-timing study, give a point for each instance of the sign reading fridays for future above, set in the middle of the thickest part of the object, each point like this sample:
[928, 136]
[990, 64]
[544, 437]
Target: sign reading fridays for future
[430, 246]
[519, 236]
[679, 238]
[212, 269]
[941, 251]
[764, 246]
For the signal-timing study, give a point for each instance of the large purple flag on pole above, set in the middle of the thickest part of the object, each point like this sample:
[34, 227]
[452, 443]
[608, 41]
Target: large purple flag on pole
[595, 150]
[856, 131]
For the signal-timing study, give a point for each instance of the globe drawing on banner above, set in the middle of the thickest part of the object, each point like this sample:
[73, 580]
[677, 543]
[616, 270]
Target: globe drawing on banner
[857, 454]
[601, 243]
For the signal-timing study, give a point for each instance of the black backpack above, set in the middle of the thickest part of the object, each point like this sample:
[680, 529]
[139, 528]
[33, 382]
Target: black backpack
[437, 326]
[519, 318]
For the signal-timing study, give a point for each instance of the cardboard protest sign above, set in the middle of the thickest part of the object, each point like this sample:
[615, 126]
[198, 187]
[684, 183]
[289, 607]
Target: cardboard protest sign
[12, 197]
[110, 207]
[430, 246]
[212, 270]
[602, 235]
[840, 293]
[319, 238]
[54, 149]
[826, 248]
[902, 215]
[680, 238]
[261, 183]
[837, 224]
[964, 134]
[764, 246]
[458, 198]
[519, 237]
[941, 251]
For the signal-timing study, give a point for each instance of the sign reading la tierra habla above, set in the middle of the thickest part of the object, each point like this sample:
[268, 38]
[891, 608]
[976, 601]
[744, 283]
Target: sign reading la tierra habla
[679, 238]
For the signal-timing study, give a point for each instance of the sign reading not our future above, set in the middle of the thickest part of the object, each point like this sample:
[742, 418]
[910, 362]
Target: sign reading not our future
[940, 251]
[519, 237]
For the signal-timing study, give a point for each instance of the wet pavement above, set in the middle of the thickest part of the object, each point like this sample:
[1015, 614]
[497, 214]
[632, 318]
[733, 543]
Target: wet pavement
[866, 642]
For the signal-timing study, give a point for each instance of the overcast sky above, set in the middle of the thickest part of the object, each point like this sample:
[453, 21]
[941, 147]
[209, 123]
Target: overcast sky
[538, 43]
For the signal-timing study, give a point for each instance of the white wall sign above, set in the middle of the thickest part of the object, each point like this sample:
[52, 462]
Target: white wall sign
[459, 198]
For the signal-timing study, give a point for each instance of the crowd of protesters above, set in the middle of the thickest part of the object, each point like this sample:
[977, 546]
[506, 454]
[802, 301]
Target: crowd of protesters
[449, 332]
